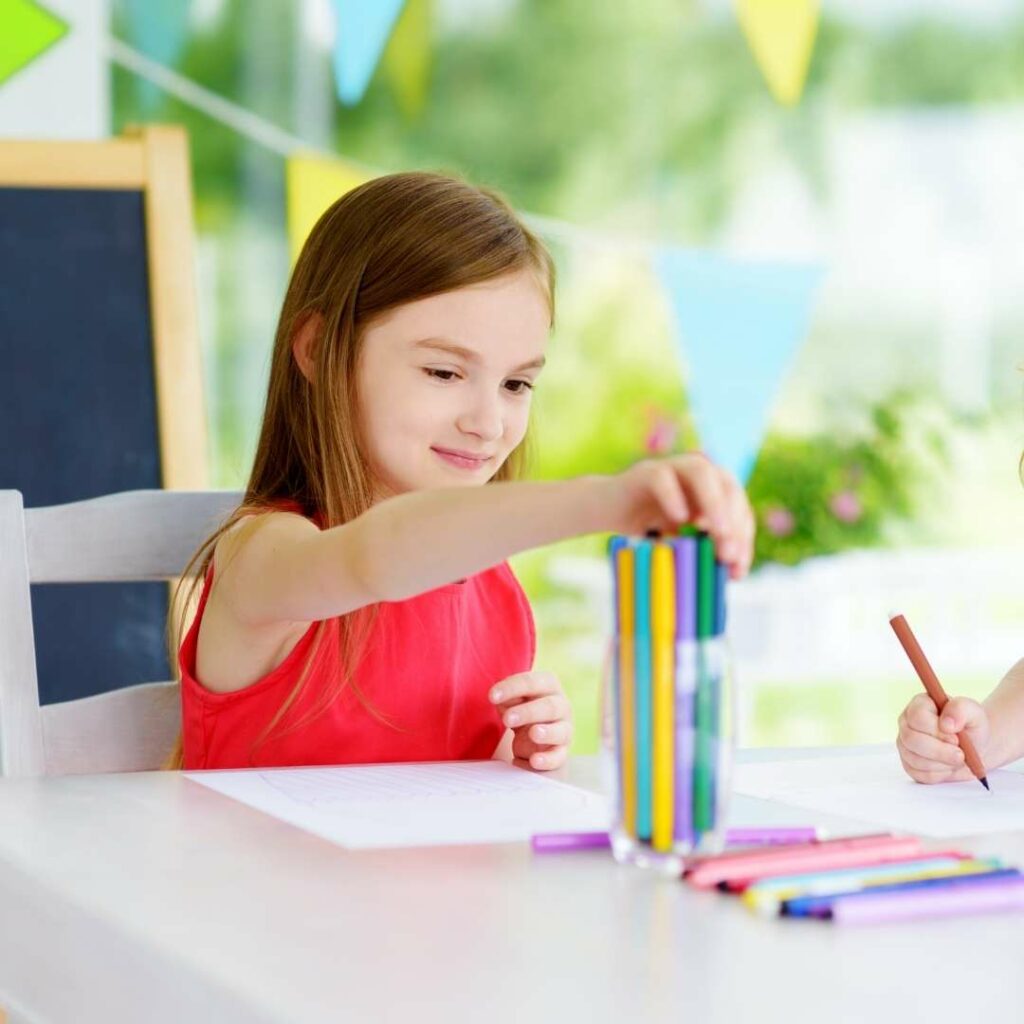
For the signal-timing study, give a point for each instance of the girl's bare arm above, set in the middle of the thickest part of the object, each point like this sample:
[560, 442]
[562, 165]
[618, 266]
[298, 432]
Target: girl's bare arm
[288, 570]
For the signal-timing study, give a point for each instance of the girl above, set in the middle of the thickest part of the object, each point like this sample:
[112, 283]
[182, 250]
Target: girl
[357, 606]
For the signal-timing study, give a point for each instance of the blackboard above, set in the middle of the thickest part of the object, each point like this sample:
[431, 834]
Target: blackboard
[79, 412]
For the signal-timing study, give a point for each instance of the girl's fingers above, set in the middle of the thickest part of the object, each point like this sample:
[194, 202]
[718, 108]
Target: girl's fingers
[922, 715]
[545, 760]
[524, 684]
[543, 709]
[737, 549]
[702, 484]
[930, 748]
[669, 494]
[551, 733]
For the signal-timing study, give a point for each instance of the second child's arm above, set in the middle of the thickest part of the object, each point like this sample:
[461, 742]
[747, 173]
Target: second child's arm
[288, 571]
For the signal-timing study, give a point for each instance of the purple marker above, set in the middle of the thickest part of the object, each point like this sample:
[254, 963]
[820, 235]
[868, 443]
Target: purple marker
[770, 836]
[686, 684]
[910, 905]
[557, 842]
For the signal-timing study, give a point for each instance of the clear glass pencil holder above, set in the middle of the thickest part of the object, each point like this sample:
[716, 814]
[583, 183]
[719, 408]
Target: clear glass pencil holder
[668, 709]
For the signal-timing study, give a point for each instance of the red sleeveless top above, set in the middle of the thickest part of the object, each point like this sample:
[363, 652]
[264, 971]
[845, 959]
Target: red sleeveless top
[428, 665]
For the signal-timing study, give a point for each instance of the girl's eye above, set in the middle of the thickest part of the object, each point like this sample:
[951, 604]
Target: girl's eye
[522, 386]
[439, 374]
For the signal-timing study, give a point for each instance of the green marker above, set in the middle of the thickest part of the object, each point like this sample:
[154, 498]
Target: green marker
[705, 711]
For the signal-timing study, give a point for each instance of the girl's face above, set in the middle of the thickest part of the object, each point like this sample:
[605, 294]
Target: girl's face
[445, 383]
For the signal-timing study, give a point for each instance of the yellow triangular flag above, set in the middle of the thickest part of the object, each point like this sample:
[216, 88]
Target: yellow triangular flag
[781, 34]
[407, 58]
[311, 185]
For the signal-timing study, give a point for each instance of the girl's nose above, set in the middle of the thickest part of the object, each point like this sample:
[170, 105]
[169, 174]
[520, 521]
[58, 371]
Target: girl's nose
[483, 419]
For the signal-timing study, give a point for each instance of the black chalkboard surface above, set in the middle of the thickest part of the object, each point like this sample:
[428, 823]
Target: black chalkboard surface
[79, 405]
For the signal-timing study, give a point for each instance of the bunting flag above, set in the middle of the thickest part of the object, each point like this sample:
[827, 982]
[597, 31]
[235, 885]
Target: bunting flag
[159, 29]
[29, 30]
[740, 325]
[311, 185]
[407, 57]
[362, 29]
[781, 34]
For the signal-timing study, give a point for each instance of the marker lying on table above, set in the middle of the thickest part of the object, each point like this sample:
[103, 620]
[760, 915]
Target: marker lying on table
[553, 842]
[933, 687]
[736, 871]
[767, 895]
[879, 908]
[824, 906]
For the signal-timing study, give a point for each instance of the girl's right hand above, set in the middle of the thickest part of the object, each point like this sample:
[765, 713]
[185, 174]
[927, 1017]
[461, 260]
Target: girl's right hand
[927, 743]
[664, 494]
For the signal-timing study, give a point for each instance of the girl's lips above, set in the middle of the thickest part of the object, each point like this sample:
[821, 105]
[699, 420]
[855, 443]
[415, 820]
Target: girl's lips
[460, 461]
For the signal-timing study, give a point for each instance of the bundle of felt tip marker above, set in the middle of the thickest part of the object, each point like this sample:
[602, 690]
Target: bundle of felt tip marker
[669, 696]
[870, 879]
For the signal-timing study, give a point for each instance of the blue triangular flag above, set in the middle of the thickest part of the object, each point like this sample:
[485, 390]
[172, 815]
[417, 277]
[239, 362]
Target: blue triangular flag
[740, 325]
[159, 29]
[361, 33]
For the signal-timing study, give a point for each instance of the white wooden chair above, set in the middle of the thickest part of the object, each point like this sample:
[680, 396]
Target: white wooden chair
[132, 536]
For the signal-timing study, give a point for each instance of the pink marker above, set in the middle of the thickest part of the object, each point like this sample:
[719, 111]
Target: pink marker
[855, 851]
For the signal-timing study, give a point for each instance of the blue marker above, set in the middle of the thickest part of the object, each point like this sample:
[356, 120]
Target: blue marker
[821, 906]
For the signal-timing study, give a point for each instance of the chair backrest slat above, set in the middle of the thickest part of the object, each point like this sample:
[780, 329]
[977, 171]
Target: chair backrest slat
[135, 535]
[132, 536]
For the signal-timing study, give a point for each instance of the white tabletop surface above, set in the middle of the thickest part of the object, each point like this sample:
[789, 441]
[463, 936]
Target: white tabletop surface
[149, 898]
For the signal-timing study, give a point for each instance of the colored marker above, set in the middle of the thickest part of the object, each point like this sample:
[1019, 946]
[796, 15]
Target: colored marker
[685, 550]
[934, 689]
[822, 906]
[721, 574]
[768, 894]
[705, 725]
[882, 908]
[663, 620]
[627, 691]
[642, 685]
[742, 869]
[555, 842]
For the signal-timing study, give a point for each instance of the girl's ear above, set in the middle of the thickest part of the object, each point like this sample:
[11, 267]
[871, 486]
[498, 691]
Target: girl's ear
[305, 338]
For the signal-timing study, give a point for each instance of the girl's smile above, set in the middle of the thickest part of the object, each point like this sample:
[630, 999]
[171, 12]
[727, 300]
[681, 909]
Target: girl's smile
[462, 460]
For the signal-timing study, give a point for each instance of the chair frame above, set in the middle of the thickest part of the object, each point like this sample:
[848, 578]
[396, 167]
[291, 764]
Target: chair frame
[132, 536]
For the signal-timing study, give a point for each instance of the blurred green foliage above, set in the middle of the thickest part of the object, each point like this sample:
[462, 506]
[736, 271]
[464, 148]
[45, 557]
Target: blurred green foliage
[821, 494]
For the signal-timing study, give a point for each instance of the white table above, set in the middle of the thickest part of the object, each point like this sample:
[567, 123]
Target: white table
[148, 898]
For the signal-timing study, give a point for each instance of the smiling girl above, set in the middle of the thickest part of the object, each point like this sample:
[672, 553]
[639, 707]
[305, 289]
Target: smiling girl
[358, 605]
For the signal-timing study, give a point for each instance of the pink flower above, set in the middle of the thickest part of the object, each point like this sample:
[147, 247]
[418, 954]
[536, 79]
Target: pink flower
[779, 521]
[846, 507]
[661, 434]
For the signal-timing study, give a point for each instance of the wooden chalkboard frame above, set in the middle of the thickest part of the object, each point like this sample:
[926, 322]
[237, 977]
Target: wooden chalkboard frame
[153, 159]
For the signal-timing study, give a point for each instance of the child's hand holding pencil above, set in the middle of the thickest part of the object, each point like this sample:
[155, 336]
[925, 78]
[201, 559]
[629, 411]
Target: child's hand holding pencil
[927, 742]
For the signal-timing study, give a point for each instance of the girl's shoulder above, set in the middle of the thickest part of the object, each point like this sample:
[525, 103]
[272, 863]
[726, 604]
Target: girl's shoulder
[283, 518]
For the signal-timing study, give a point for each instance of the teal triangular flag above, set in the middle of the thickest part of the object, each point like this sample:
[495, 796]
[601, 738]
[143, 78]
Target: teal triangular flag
[159, 28]
[740, 325]
[362, 31]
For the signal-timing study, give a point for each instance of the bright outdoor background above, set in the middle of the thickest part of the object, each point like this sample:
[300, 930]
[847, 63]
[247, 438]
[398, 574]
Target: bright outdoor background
[888, 476]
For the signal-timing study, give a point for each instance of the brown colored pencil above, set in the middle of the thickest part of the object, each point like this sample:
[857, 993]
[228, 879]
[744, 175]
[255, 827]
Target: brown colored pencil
[927, 675]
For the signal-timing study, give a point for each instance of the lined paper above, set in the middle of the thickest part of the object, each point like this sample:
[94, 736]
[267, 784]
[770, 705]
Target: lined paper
[374, 806]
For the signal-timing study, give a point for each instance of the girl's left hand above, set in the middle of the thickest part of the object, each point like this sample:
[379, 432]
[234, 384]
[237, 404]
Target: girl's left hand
[536, 709]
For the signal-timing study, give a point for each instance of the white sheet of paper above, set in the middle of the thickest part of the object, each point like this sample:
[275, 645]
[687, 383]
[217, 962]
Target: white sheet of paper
[368, 806]
[876, 790]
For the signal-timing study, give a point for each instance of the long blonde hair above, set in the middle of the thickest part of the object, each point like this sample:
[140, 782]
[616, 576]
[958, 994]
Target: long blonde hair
[394, 240]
